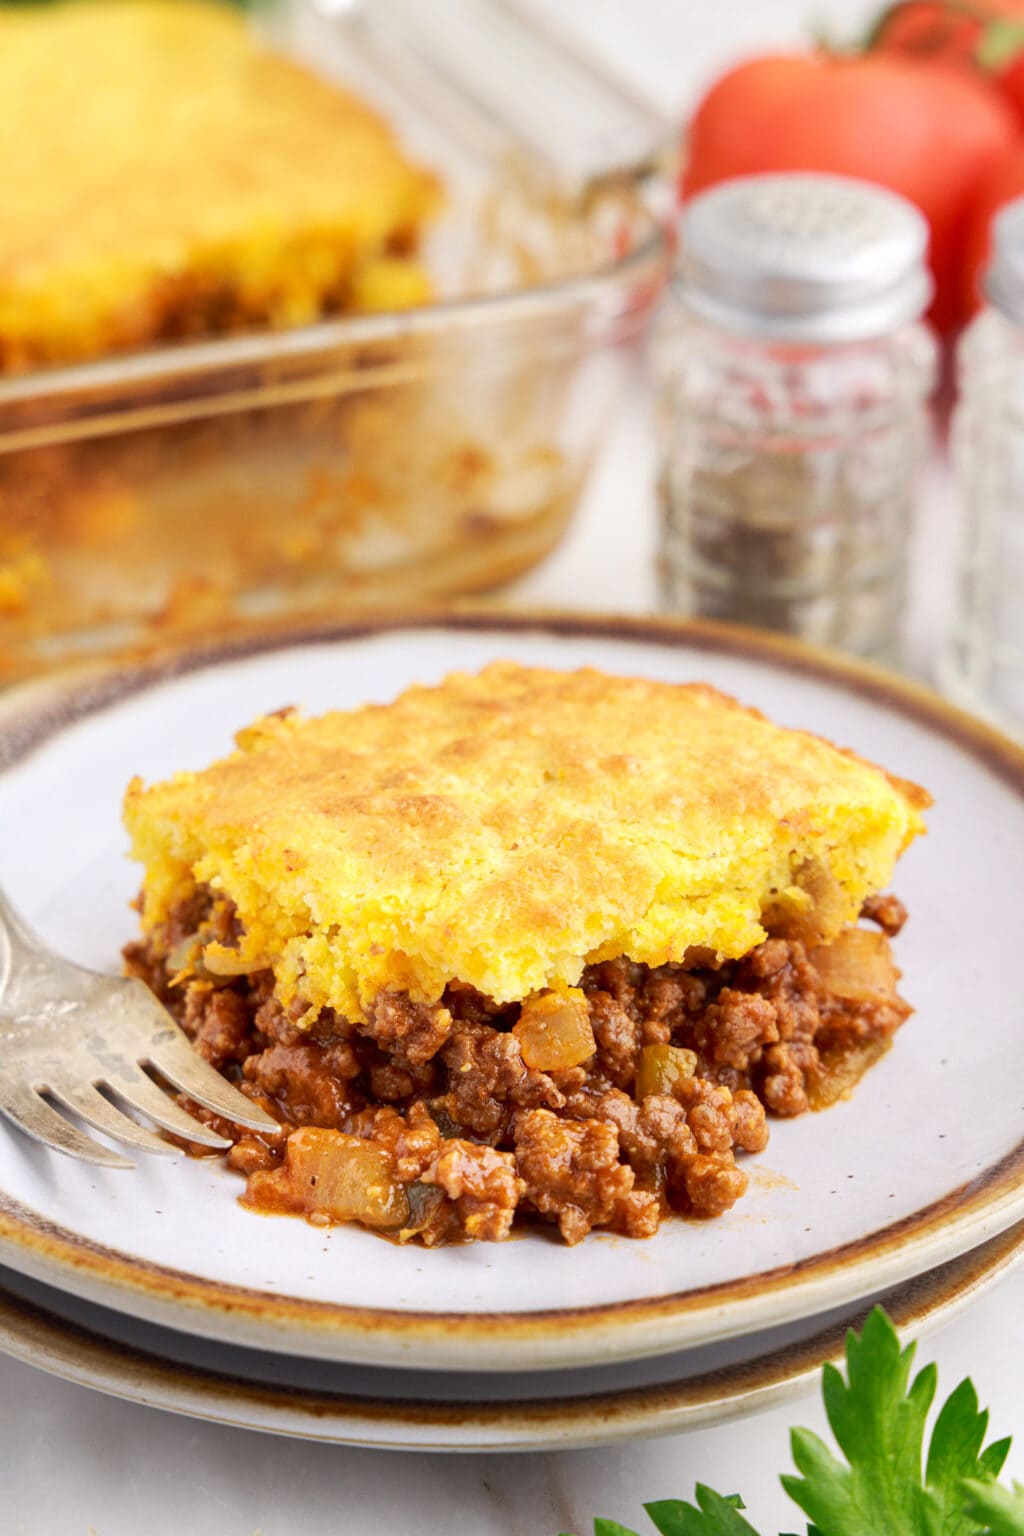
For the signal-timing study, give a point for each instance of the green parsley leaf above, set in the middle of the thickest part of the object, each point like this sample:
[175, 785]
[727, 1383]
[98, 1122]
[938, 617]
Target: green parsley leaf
[608, 1528]
[878, 1416]
[879, 1424]
[715, 1516]
[1002, 1509]
[955, 1454]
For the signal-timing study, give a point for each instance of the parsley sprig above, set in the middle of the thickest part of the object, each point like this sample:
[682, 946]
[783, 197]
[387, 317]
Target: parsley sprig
[885, 1484]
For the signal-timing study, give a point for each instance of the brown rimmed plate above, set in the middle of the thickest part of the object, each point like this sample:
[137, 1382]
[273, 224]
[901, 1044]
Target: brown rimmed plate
[436, 1411]
[924, 1163]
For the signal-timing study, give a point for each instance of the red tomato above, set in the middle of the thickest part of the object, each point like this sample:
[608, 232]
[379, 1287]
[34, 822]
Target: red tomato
[1010, 80]
[1002, 184]
[983, 37]
[931, 134]
[929, 29]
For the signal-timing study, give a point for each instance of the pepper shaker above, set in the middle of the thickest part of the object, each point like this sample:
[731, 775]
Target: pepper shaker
[793, 371]
[983, 663]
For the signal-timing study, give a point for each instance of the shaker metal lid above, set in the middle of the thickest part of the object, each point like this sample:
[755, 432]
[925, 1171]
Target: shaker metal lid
[797, 256]
[1004, 278]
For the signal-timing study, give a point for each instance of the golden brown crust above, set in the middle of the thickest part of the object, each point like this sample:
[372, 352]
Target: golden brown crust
[508, 827]
[166, 175]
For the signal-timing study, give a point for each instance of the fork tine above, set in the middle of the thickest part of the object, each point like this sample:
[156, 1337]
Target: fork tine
[37, 1119]
[159, 1041]
[84, 1100]
[143, 1093]
[175, 1058]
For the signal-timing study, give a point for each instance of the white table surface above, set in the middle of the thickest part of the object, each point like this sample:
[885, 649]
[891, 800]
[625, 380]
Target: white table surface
[73, 1463]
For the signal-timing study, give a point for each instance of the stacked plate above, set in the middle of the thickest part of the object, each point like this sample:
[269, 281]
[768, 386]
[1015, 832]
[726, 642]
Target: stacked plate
[157, 1286]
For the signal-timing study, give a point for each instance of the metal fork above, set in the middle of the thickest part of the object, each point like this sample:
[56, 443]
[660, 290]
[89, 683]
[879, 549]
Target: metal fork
[78, 1036]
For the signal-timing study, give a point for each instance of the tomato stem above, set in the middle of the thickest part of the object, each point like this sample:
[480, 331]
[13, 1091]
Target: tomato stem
[999, 45]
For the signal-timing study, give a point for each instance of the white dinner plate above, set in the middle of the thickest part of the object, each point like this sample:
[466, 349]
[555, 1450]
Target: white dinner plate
[924, 1162]
[441, 1411]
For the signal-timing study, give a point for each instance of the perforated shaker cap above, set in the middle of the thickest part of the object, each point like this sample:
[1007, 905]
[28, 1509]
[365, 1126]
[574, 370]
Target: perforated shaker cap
[800, 257]
[1004, 280]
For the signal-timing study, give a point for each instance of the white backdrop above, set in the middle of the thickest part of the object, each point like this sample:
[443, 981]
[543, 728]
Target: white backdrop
[75, 1464]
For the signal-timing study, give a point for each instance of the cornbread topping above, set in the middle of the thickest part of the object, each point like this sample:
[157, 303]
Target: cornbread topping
[209, 184]
[524, 940]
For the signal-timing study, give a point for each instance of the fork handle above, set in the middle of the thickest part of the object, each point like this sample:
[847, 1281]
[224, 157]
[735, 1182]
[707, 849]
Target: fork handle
[18, 944]
[13, 926]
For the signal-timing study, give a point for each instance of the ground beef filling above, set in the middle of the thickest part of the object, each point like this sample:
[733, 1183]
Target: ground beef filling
[609, 1105]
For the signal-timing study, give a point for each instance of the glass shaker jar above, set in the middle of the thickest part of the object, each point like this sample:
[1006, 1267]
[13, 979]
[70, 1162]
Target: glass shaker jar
[983, 661]
[793, 372]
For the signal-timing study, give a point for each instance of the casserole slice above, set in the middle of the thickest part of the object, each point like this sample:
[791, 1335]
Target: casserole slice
[209, 185]
[524, 941]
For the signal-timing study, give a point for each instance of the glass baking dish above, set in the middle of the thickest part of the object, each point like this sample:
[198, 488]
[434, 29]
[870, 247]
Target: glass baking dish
[366, 462]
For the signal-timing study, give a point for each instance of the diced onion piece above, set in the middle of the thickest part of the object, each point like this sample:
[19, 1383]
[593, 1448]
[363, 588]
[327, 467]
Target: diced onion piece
[221, 961]
[328, 1173]
[813, 909]
[554, 1030]
[841, 1070]
[830, 904]
[857, 966]
[661, 1067]
[183, 956]
[828, 908]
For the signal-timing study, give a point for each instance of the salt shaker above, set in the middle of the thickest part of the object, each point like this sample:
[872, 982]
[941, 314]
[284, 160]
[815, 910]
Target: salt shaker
[983, 664]
[793, 371]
